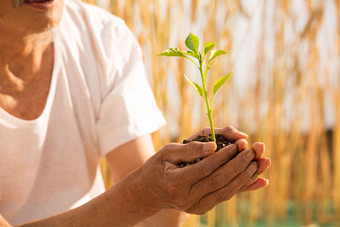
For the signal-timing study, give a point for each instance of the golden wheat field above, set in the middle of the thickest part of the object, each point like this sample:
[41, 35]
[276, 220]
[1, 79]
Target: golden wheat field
[284, 91]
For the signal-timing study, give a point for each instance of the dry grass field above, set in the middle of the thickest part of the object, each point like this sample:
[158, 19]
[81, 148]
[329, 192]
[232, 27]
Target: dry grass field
[284, 91]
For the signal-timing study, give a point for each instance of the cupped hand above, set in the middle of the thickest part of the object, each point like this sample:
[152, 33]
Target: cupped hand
[232, 134]
[162, 183]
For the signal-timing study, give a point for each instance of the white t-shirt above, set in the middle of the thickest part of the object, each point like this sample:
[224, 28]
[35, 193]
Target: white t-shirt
[99, 99]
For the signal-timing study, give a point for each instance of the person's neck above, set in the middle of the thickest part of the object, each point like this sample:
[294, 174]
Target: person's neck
[22, 58]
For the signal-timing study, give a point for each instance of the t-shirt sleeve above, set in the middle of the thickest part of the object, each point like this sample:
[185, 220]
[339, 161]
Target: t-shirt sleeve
[128, 108]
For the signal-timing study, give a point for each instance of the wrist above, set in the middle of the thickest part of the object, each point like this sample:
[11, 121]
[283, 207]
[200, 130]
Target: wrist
[135, 198]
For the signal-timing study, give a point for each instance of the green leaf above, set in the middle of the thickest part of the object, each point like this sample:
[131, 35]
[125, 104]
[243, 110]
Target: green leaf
[172, 52]
[192, 42]
[191, 53]
[216, 53]
[208, 46]
[220, 82]
[195, 86]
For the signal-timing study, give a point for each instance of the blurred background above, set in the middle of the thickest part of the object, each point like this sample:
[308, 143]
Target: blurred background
[284, 56]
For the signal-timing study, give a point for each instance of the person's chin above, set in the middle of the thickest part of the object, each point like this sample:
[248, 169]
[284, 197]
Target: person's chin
[47, 12]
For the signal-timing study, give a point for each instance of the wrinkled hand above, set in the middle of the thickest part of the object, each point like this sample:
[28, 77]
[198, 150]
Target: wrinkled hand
[161, 183]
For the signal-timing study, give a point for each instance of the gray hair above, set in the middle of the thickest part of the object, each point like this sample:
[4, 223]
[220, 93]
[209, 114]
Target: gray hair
[18, 3]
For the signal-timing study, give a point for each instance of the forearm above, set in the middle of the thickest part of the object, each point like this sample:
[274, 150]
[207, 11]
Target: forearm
[115, 207]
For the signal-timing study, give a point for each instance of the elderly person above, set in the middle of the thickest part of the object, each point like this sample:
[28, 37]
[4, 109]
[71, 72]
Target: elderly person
[72, 90]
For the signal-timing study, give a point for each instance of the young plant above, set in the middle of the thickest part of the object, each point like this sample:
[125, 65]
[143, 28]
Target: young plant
[203, 65]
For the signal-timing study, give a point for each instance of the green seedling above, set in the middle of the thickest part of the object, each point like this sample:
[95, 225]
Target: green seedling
[203, 65]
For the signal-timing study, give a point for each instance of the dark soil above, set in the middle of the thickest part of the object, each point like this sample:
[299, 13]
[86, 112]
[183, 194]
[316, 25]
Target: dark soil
[220, 141]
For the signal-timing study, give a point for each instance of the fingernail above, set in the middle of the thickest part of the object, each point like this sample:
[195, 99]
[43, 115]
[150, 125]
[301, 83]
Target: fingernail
[241, 144]
[264, 150]
[209, 147]
[243, 134]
